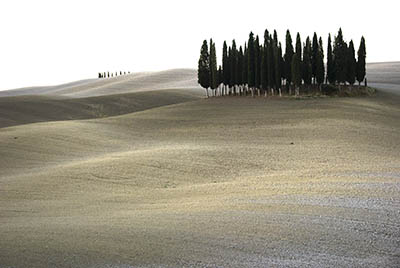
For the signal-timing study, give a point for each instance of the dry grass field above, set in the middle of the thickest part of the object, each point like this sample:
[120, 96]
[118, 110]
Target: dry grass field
[157, 176]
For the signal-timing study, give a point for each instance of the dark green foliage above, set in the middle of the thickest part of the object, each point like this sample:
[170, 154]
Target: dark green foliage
[298, 47]
[351, 67]
[213, 66]
[314, 55]
[306, 66]
[203, 73]
[320, 68]
[277, 65]
[257, 68]
[340, 52]
[233, 61]
[239, 70]
[220, 77]
[251, 60]
[361, 56]
[245, 65]
[270, 62]
[330, 63]
[225, 64]
[288, 57]
[296, 70]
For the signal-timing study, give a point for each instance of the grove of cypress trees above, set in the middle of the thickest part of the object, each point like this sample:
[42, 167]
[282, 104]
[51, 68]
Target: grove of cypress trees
[351, 70]
[288, 58]
[361, 55]
[203, 74]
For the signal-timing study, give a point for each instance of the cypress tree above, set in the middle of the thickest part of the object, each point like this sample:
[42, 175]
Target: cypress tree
[339, 52]
[361, 55]
[296, 72]
[288, 58]
[298, 47]
[245, 65]
[314, 55]
[257, 68]
[233, 65]
[220, 77]
[225, 66]
[351, 64]
[203, 73]
[239, 70]
[306, 66]
[270, 63]
[330, 63]
[277, 67]
[251, 60]
[320, 68]
[213, 66]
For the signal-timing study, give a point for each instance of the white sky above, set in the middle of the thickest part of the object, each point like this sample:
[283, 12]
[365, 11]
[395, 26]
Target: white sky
[51, 42]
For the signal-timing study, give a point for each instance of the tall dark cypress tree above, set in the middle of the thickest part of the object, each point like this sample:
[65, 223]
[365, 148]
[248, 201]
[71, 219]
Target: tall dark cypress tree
[220, 76]
[314, 55]
[288, 58]
[339, 52]
[330, 63]
[320, 68]
[239, 70]
[306, 66]
[270, 63]
[225, 66]
[257, 67]
[213, 66]
[245, 66]
[277, 62]
[203, 73]
[361, 56]
[233, 63]
[351, 64]
[296, 71]
[251, 61]
[298, 47]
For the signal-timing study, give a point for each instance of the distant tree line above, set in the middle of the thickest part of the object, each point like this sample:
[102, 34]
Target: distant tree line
[263, 68]
[108, 74]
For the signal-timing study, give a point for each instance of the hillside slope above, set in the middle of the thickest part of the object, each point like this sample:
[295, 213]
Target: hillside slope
[170, 79]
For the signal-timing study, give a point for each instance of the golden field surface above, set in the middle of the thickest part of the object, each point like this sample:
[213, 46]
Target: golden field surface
[154, 175]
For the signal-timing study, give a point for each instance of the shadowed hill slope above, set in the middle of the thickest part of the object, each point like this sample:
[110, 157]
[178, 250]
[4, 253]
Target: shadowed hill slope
[29, 109]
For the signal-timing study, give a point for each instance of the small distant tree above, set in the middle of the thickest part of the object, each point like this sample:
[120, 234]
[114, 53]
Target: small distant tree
[108, 74]
[361, 56]
[100, 76]
[203, 72]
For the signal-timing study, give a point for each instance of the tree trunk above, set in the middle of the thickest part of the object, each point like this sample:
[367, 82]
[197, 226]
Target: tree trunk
[280, 92]
[206, 89]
